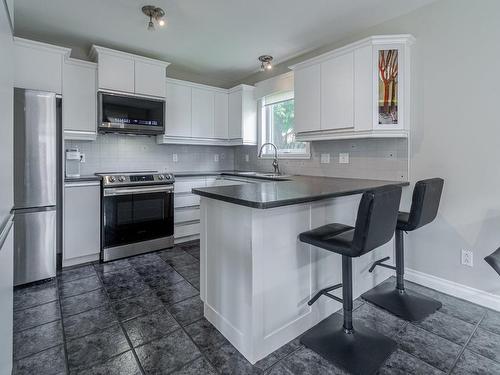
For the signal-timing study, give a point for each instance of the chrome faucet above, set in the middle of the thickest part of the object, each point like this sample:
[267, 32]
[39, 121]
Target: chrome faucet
[275, 161]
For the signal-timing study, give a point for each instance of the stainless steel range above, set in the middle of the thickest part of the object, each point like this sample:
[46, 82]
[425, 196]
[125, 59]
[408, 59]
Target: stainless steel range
[137, 213]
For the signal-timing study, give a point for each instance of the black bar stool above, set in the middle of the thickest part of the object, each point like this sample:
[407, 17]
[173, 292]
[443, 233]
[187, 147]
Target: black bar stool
[403, 303]
[359, 350]
[494, 260]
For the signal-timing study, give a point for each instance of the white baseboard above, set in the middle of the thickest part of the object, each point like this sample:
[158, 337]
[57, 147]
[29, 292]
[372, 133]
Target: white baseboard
[467, 293]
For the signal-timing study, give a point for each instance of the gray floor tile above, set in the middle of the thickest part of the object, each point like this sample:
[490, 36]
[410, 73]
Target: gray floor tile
[96, 348]
[83, 302]
[189, 271]
[491, 321]
[205, 335]
[124, 284]
[474, 364]
[36, 339]
[182, 259]
[197, 367]
[124, 364]
[49, 362]
[75, 287]
[402, 363]
[176, 293]
[192, 249]
[378, 320]
[278, 355]
[195, 281]
[456, 307]
[168, 353]
[149, 327]
[227, 360]
[447, 326]
[37, 315]
[169, 254]
[89, 322]
[35, 295]
[157, 278]
[187, 311]
[485, 343]
[139, 305]
[428, 347]
[75, 273]
[112, 266]
[145, 260]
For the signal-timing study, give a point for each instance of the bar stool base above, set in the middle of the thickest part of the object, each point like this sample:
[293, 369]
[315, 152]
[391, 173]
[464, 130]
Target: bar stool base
[362, 352]
[409, 305]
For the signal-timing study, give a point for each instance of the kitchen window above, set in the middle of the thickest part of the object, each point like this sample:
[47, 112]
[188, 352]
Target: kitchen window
[277, 126]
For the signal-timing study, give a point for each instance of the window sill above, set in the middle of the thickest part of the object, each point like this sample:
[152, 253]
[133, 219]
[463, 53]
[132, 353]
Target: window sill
[287, 156]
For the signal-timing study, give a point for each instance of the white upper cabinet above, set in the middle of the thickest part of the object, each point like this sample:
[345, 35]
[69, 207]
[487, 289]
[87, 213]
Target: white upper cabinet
[221, 102]
[38, 66]
[337, 92]
[242, 115]
[205, 115]
[116, 73]
[79, 115]
[361, 90]
[178, 123]
[125, 72]
[149, 78]
[307, 98]
[202, 112]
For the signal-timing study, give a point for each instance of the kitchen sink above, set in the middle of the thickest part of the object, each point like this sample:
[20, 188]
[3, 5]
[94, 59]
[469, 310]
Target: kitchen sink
[265, 175]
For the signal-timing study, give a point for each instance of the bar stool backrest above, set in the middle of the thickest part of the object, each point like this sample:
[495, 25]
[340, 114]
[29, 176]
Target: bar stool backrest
[425, 202]
[494, 260]
[377, 216]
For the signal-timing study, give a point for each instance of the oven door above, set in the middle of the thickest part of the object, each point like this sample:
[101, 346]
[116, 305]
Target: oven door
[137, 219]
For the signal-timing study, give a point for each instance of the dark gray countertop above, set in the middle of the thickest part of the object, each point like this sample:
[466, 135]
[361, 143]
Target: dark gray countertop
[199, 173]
[299, 189]
[82, 178]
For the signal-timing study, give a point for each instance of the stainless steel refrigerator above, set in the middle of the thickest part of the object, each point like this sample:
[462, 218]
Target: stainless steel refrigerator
[35, 185]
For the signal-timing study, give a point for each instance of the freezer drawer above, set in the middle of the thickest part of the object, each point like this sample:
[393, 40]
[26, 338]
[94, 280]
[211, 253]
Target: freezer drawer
[34, 246]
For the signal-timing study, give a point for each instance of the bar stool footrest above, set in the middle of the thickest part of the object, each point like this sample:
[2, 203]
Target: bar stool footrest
[407, 305]
[361, 352]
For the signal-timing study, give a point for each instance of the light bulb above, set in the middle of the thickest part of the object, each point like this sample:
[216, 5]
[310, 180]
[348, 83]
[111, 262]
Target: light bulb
[161, 22]
[269, 66]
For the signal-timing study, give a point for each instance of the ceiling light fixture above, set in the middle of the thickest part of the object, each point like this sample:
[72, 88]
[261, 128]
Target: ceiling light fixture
[154, 14]
[265, 62]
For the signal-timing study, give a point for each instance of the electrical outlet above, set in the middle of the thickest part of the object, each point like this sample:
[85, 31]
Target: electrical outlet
[325, 158]
[344, 158]
[175, 158]
[247, 158]
[216, 158]
[82, 158]
[467, 258]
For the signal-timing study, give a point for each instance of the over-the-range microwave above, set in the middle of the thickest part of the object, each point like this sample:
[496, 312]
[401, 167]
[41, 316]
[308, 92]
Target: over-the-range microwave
[122, 113]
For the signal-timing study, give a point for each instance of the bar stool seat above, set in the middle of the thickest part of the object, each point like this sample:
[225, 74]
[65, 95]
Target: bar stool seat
[397, 300]
[357, 349]
[494, 260]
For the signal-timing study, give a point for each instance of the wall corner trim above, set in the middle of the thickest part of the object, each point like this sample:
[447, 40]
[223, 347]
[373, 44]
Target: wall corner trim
[480, 297]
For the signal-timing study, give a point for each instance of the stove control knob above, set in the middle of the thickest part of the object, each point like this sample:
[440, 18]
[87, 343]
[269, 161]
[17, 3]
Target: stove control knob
[121, 178]
[168, 176]
[112, 179]
[160, 177]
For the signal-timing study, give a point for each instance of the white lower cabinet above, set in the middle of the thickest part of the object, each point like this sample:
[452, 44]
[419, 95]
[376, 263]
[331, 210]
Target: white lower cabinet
[81, 222]
[6, 296]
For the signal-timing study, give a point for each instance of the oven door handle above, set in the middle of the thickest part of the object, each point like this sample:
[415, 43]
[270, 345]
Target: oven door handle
[109, 192]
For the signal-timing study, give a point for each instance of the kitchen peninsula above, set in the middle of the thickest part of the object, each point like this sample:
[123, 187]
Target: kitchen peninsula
[256, 276]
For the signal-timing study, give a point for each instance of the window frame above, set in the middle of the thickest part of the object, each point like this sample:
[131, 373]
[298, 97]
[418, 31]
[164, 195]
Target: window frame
[261, 123]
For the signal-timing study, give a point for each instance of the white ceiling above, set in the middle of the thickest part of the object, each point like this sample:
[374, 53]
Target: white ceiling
[217, 41]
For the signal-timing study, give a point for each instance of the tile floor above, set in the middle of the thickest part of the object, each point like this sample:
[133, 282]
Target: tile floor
[143, 315]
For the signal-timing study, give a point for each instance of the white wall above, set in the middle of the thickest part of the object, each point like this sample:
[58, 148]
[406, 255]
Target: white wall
[455, 132]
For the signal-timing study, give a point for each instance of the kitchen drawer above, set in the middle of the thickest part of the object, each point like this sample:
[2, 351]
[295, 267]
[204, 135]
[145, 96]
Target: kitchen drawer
[186, 200]
[185, 185]
[186, 214]
[186, 230]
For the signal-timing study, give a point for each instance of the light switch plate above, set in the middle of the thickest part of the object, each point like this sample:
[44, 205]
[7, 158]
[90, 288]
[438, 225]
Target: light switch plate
[175, 158]
[344, 158]
[216, 158]
[247, 158]
[82, 158]
[325, 158]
